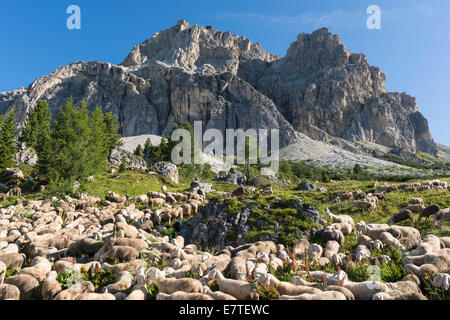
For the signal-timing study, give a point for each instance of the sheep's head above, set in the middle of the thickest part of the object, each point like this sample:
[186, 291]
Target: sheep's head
[262, 257]
[442, 280]
[340, 278]
[140, 277]
[264, 279]
[298, 281]
[250, 264]
[176, 253]
[206, 289]
[213, 274]
[176, 263]
[151, 273]
[283, 256]
[379, 296]
[362, 227]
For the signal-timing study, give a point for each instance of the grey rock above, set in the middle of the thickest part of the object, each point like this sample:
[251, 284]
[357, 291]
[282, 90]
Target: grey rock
[195, 186]
[306, 186]
[235, 177]
[184, 73]
[189, 73]
[321, 87]
[26, 155]
[133, 162]
[11, 174]
[168, 170]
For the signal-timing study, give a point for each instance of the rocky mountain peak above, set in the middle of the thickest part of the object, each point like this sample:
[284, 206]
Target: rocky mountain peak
[191, 72]
[196, 49]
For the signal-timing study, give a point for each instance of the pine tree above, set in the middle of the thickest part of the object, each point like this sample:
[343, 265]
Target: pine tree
[161, 153]
[36, 134]
[195, 149]
[148, 147]
[171, 144]
[112, 130]
[8, 145]
[38, 124]
[72, 143]
[99, 142]
[123, 164]
[138, 151]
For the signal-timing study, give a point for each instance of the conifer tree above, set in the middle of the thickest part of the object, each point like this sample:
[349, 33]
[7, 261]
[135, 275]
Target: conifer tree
[138, 151]
[112, 130]
[148, 146]
[99, 142]
[37, 124]
[123, 164]
[8, 145]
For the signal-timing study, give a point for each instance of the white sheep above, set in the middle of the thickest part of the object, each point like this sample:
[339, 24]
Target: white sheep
[362, 252]
[325, 295]
[180, 296]
[169, 286]
[429, 244]
[238, 268]
[91, 296]
[123, 282]
[286, 288]
[217, 295]
[242, 290]
[314, 251]
[442, 280]
[139, 292]
[331, 249]
[74, 291]
[50, 287]
[39, 268]
[2, 272]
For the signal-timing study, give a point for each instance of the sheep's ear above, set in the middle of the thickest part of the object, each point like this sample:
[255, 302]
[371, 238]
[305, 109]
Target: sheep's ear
[446, 283]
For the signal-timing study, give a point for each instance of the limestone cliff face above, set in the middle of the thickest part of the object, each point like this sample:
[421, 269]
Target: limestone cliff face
[189, 73]
[321, 86]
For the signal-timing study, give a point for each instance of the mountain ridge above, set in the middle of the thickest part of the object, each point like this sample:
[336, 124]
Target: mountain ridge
[188, 73]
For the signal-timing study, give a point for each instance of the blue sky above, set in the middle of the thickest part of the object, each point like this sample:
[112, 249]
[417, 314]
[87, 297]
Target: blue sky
[412, 48]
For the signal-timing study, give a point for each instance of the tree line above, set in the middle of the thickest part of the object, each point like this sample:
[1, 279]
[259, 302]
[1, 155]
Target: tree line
[75, 145]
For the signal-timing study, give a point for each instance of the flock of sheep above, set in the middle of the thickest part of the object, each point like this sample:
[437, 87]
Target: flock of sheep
[41, 240]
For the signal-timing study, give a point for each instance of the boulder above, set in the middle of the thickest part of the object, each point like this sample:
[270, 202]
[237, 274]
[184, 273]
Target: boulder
[133, 162]
[168, 170]
[234, 176]
[306, 186]
[11, 174]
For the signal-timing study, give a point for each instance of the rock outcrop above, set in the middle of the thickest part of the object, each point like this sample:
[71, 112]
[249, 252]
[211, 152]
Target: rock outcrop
[321, 86]
[167, 169]
[189, 73]
[132, 162]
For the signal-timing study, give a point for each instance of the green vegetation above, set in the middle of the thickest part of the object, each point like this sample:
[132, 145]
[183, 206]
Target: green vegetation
[73, 147]
[8, 146]
[431, 291]
[139, 152]
[99, 278]
[396, 159]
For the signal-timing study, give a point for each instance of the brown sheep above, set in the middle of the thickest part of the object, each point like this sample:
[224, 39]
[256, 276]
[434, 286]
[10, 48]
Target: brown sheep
[27, 285]
[403, 215]
[121, 253]
[429, 211]
[156, 202]
[16, 191]
[13, 261]
[9, 292]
